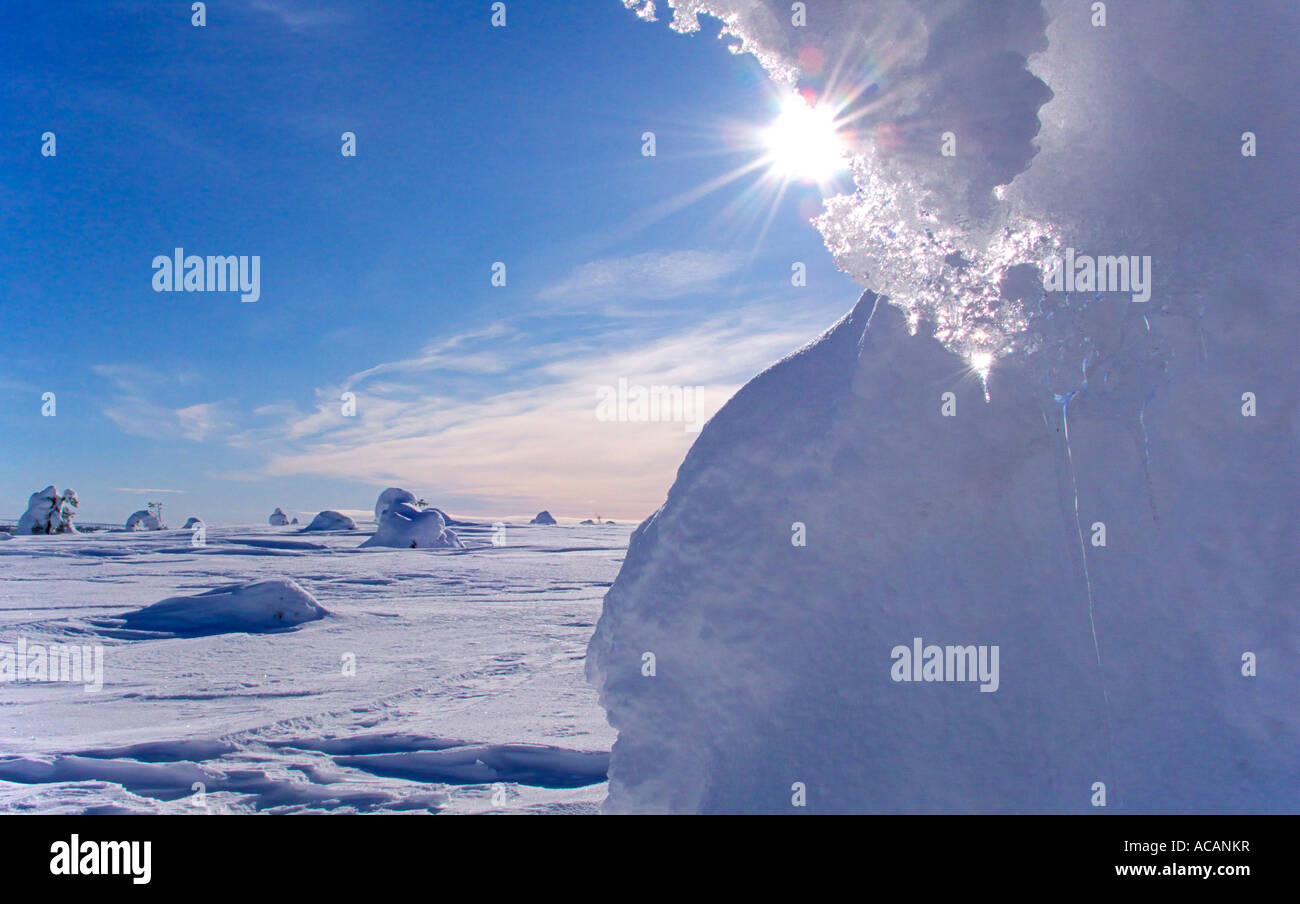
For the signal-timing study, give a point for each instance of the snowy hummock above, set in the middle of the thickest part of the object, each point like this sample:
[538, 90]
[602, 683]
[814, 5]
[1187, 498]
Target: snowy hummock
[260, 606]
[192, 522]
[543, 517]
[406, 527]
[49, 512]
[143, 520]
[277, 519]
[331, 520]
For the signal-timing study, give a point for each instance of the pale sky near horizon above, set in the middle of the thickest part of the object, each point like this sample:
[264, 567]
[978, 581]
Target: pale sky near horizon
[475, 145]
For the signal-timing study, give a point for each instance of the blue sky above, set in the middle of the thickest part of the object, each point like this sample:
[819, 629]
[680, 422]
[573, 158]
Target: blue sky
[475, 145]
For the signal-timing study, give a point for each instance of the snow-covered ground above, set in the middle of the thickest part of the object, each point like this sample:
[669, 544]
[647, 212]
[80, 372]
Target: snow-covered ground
[466, 690]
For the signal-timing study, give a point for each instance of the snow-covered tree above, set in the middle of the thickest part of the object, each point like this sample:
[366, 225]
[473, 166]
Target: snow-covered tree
[49, 512]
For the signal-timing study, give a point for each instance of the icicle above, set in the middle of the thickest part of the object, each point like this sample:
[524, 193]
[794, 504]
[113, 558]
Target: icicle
[1064, 402]
[1146, 455]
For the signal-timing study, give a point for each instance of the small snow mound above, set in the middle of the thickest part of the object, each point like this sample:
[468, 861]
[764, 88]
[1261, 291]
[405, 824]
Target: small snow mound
[143, 520]
[389, 498]
[406, 527]
[192, 522]
[331, 520]
[257, 607]
[543, 517]
[277, 519]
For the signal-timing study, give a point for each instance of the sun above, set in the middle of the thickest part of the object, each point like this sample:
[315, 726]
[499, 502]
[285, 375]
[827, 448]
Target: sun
[981, 363]
[804, 143]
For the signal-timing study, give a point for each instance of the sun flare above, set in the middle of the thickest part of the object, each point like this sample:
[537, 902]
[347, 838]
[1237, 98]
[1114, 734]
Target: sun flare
[803, 142]
[981, 363]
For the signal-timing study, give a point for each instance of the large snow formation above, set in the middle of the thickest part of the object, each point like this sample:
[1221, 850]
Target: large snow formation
[143, 520]
[331, 520]
[830, 513]
[257, 607]
[543, 517]
[277, 519]
[406, 527]
[49, 512]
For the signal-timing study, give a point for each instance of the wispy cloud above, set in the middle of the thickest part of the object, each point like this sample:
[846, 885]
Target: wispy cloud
[135, 410]
[534, 440]
[298, 16]
[652, 276]
[476, 352]
[491, 420]
[198, 422]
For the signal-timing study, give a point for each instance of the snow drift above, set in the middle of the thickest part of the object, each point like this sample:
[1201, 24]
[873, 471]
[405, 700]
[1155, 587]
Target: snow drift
[277, 519]
[331, 520]
[192, 522]
[143, 520]
[257, 607]
[543, 517]
[406, 527]
[1118, 518]
[49, 512]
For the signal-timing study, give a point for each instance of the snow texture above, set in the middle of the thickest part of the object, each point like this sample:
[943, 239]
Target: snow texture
[389, 498]
[471, 659]
[831, 513]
